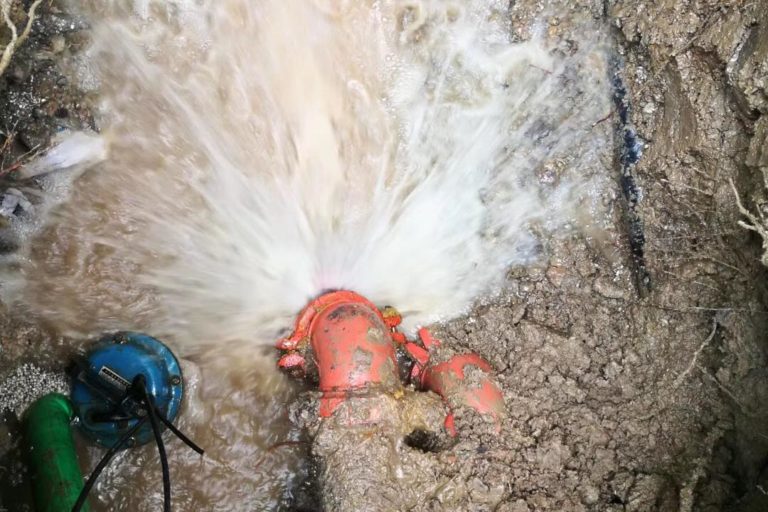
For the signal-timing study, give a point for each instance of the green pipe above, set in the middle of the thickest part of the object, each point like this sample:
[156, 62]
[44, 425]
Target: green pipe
[56, 477]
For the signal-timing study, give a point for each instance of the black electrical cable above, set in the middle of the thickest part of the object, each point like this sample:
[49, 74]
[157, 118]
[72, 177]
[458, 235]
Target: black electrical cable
[178, 432]
[103, 464]
[139, 390]
[139, 381]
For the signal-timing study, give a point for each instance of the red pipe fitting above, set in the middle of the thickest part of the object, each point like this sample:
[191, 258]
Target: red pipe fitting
[347, 341]
[451, 381]
[461, 380]
[348, 345]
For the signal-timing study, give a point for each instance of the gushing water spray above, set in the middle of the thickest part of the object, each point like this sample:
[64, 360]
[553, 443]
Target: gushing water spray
[261, 153]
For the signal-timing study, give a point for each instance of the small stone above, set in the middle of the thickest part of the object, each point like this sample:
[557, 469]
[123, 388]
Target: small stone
[31, 139]
[18, 74]
[610, 290]
[13, 203]
[518, 313]
[590, 494]
[58, 43]
[555, 274]
[8, 204]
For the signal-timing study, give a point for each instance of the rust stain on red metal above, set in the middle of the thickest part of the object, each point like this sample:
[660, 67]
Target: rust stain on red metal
[450, 380]
[351, 344]
[351, 347]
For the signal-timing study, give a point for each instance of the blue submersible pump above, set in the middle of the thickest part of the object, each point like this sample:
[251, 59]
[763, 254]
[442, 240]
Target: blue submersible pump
[125, 391]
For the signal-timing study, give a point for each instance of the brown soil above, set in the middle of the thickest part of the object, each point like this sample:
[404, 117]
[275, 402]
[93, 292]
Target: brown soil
[618, 401]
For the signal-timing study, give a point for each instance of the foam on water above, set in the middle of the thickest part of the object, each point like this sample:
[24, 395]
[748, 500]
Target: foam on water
[263, 152]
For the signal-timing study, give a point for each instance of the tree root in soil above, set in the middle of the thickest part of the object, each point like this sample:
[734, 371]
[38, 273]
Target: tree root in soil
[757, 223]
[16, 38]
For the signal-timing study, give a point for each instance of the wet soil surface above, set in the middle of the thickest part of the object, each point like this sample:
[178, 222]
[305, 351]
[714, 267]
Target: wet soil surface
[630, 385]
[626, 398]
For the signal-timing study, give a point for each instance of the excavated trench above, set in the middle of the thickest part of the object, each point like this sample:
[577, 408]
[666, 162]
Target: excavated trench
[632, 359]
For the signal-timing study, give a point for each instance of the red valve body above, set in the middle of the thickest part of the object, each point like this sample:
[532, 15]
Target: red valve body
[350, 345]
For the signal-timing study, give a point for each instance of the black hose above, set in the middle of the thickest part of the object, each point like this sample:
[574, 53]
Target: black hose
[139, 381]
[103, 464]
[178, 432]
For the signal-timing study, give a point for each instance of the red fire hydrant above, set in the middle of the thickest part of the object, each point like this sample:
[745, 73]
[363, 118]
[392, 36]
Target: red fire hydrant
[346, 344]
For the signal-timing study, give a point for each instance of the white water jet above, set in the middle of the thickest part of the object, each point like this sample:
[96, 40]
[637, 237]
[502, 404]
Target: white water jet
[263, 152]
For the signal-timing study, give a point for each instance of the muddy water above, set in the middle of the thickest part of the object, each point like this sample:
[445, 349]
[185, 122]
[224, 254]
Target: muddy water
[253, 460]
[259, 154]
[262, 152]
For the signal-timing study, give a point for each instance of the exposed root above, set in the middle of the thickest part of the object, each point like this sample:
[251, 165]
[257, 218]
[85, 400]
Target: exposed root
[756, 223]
[16, 39]
[20, 161]
[730, 394]
[696, 354]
